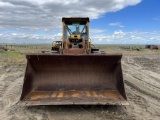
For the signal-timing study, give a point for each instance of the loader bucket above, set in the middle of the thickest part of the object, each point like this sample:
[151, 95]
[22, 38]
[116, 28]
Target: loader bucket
[53, 79]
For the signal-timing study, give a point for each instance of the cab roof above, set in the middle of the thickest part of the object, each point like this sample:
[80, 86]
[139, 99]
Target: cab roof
[70, 20]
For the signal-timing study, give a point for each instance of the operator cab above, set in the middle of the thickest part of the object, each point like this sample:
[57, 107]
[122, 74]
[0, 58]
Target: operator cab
[75, 32]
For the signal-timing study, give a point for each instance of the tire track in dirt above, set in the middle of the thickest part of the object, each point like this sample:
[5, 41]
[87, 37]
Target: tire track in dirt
[138, 106]
[142, 89]
[11, 84]
[142, 77]
[10, 88]
[142, 106]
[11, 93]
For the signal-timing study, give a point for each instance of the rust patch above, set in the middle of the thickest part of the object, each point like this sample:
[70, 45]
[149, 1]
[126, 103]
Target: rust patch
[54, 94]
[87, 93]
[38, 95]
[75, 94]
[60, 94]
[108, 95]
[95, 94]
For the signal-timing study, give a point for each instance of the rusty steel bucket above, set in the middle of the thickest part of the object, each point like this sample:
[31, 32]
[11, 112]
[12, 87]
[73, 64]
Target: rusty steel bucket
[53, 79]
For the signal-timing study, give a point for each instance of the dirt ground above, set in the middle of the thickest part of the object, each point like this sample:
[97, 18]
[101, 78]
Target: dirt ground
[142, 84]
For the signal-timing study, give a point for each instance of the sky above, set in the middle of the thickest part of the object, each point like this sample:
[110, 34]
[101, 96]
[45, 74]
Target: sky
[111, 21]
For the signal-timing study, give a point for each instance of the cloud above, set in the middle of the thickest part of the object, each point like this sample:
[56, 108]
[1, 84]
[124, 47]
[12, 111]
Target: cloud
[96, 31]
[22, 38]
[117, 24]
[120, 37]
[19, 19]
[117, 37]
[156, 18]
[47, 14]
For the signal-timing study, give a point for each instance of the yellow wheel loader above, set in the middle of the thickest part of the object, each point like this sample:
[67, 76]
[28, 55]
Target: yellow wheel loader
[76, 73]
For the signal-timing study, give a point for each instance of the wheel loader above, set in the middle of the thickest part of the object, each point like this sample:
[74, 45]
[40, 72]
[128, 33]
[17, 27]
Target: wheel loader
[75, 73]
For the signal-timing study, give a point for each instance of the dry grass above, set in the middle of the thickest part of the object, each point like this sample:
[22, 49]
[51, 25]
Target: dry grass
[16, 53]
[128, 49]
[11, 57]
